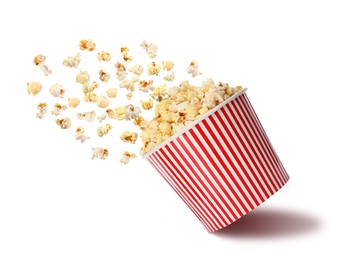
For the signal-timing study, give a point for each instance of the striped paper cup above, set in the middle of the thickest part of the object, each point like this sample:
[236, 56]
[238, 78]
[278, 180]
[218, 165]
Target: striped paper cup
[222, 165]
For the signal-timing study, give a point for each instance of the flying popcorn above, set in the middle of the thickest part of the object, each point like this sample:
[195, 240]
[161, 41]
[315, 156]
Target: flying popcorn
[81, 135]
[56, 90]
[87, 45]
[72, 61]
[34, 87]
[41, 110]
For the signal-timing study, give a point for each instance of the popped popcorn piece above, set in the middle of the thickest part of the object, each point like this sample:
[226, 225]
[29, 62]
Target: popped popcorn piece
[90, 88]
[153, 68]
[56, 90]
[41, 110]
[91, 97]
[103, 130]
[159, 93]
[34, 87]
[104, 76]
[121, 71]
[112, 92]
[126, 157]
[151, 48]
[169, 77]
[120, 113]
[132, 112]
[129, 84]
[103, 102]
[83, 77]
[140, 122]
[110, 113]
[124, 52]
[73, 102]
[39, 61]
[145, 86]
[129, 137]
[81, 135]
[102, 117]
[136, 69]
[57, 109]
[72, 61]
[40, 58]
[167, 65]
[88, 116]
[64, 123]
[99, 152]
[104, 56]
[147, 105]
[87, 45]
[193, 69]
[129, 95]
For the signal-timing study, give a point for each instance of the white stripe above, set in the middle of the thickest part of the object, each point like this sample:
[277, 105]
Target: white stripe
[259, 164]
[243, 144]
[216, 174]
[213, 142]
[266, 163]
[202, 187]
[204, 211]
[229, 128]
[249, 108]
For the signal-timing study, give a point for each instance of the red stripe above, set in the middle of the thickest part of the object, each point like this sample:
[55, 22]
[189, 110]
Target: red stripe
[210, 208]
[251, 110]
[164, 176]
[211, 216]
[182, 145]
[236, 129]
[264, 147]
[253, 149]
[239, 149]
[214, 175]
[229, 172]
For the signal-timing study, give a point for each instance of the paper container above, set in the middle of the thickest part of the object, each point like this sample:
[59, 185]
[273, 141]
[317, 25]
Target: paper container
[222, 165]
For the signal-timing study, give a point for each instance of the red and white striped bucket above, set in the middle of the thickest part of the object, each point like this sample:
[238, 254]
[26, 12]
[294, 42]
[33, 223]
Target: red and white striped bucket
[222, 165]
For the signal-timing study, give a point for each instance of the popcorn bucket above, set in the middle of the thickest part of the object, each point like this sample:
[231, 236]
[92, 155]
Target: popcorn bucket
[222, 165]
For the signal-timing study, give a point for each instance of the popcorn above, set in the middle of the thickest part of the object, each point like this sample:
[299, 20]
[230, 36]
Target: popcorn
[132, 112]
[167, 65]
[101, 131]
[147, 105]
[34, 87]
[104, 56]
[110, 113]
[121, 71]
[88, 116]
[90, 88]
[102, 117]
[82, 77]
[129, 84]
[41, 110]
[126, 157]
[120, 113]
[137, 70]
[91, 97]
[153, 68]
[80, 134]
[102, 102]
[159, 93]
[193, 69]
[140, 122]
[56, 90]
[129, 95]
[129, 137]
[99, 152]
[72, 61]
[169, 77]
[39, 61]
[145, 86]
[73, 102]
[151, 48]
[64, 123]
[112, 92]
[57, 109]
[87, 45]
[124, 52]
[104, 76]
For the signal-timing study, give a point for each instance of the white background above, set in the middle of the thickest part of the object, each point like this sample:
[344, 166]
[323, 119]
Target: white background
[295, 58]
